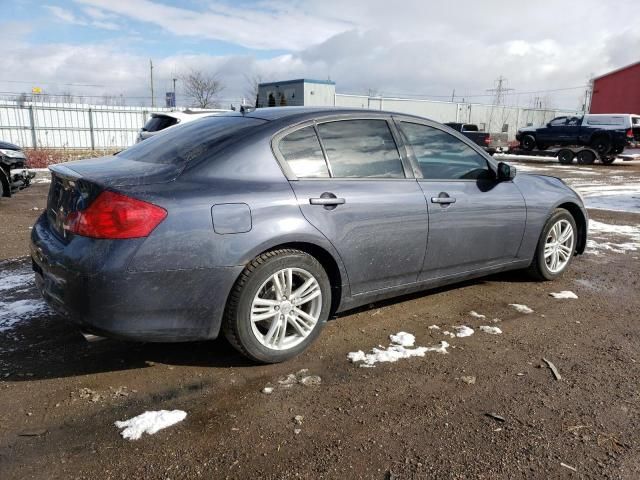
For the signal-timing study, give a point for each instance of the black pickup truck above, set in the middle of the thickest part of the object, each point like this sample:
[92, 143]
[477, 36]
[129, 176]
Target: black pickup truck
[13, 172]
[473, 133]
[604, 137]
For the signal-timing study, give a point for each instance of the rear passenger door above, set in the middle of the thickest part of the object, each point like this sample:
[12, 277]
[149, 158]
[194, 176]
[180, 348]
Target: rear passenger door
[353, 185]
[475, 221]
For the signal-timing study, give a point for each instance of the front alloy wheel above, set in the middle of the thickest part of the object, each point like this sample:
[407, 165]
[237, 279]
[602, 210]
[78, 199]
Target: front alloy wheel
[556, 246]
[559, 245]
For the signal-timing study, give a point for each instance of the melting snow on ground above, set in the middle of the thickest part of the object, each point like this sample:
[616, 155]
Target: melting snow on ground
[475, 314]
[463, 331]
[12, 312]
[490, 330]
[149, 422]
[396, 351]
[600, 237]
[563, 294]
[521, 308]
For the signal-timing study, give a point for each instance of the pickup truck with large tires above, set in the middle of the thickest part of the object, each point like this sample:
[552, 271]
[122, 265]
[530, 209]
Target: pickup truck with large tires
[14, 174]
[606, 134]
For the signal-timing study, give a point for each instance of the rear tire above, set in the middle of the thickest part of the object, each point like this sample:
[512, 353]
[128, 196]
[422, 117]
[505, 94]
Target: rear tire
[565, 156]
[601, 144]
[556, 246]
[528, 142]
[586, 157]
[271, 316]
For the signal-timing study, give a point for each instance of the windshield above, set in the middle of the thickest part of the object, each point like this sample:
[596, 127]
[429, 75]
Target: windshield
[190, 142]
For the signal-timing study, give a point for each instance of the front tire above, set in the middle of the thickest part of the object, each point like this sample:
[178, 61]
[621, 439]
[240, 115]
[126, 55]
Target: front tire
[528, 142]
[556, 246]
[278, 306]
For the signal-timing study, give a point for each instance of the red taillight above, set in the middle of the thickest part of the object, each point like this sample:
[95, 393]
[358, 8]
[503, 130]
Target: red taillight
[630, 133]
[487, 140]
[115, 216]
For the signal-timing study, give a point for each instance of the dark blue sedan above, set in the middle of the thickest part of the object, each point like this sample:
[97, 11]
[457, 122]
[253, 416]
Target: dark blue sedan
[262, 224]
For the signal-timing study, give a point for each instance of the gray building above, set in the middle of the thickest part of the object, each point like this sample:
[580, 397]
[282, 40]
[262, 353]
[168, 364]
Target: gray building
[300, 92]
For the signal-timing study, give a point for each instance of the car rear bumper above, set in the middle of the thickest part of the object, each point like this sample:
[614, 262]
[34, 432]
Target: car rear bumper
[165, 306]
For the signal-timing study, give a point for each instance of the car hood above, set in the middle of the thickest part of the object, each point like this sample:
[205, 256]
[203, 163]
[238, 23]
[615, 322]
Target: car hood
[9, 146]
[114, 171]
[527, 129]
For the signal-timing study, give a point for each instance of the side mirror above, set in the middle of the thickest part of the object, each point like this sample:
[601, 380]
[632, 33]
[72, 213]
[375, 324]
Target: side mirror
[505, 172]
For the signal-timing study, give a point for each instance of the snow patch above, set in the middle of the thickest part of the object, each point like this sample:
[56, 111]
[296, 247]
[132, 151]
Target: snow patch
[463, 331]
[15, 281]
[396, 351]
[490, 330]
[563, 294]
[434, 327]
[403, 339]
[475, 314]
[12, 313]
[521, 308]
[149, 422]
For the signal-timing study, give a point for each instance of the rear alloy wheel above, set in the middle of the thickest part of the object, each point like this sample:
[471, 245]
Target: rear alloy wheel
[586, 157]
[556, 246]
[607, 160]
[278, 306]
[528, 142]
[601, 144]
[565, 156]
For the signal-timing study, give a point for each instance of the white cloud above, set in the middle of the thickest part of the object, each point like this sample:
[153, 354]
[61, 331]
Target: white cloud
[411, 48]
[272, 26]
[95, 20]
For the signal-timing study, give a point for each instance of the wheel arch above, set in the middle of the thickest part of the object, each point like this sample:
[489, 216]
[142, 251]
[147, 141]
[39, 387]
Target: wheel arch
[331, 263]
[581, 222]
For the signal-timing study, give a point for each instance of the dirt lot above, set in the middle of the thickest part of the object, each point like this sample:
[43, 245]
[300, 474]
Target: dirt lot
[416, 418]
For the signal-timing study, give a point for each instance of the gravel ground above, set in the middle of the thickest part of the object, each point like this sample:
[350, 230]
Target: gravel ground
[491, 408]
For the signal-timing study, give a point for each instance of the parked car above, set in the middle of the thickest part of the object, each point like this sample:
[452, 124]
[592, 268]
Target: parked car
[14, 174]
[261, 225]
[606, 134]
[471, 131]
[159, 121]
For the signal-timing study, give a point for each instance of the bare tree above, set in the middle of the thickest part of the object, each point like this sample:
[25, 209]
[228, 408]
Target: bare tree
[66, 97]
[203, 88]
[253, 88]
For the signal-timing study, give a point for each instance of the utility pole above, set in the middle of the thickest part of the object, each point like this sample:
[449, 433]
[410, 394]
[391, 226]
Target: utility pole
[153, 102]
[500, 90]
[453, 95]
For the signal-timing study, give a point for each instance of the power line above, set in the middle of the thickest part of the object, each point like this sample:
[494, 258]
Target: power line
[54, 83]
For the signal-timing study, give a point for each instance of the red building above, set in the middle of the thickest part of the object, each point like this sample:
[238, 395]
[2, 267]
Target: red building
[617, 91]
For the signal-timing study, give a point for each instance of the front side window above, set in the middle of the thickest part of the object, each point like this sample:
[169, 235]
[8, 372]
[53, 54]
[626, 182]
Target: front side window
[442, 156]
[361, 149]
[301, 150]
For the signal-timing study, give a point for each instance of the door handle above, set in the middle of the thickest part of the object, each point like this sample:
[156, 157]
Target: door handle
[328, 200]
[443, 199]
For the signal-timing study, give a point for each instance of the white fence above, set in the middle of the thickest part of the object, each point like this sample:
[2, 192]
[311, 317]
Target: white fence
[70, 125]
[491, 118]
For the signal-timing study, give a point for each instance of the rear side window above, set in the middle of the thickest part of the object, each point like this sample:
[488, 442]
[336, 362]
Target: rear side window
[442, 156]
[361, 149]
[159, 122]
[191, 142]
[301, 149]
[609, 121]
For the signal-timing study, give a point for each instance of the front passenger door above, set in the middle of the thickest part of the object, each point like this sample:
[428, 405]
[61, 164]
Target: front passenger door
[475, 222]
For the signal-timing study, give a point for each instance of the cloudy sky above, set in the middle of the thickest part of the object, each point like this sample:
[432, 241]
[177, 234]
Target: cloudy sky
[547, 49]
